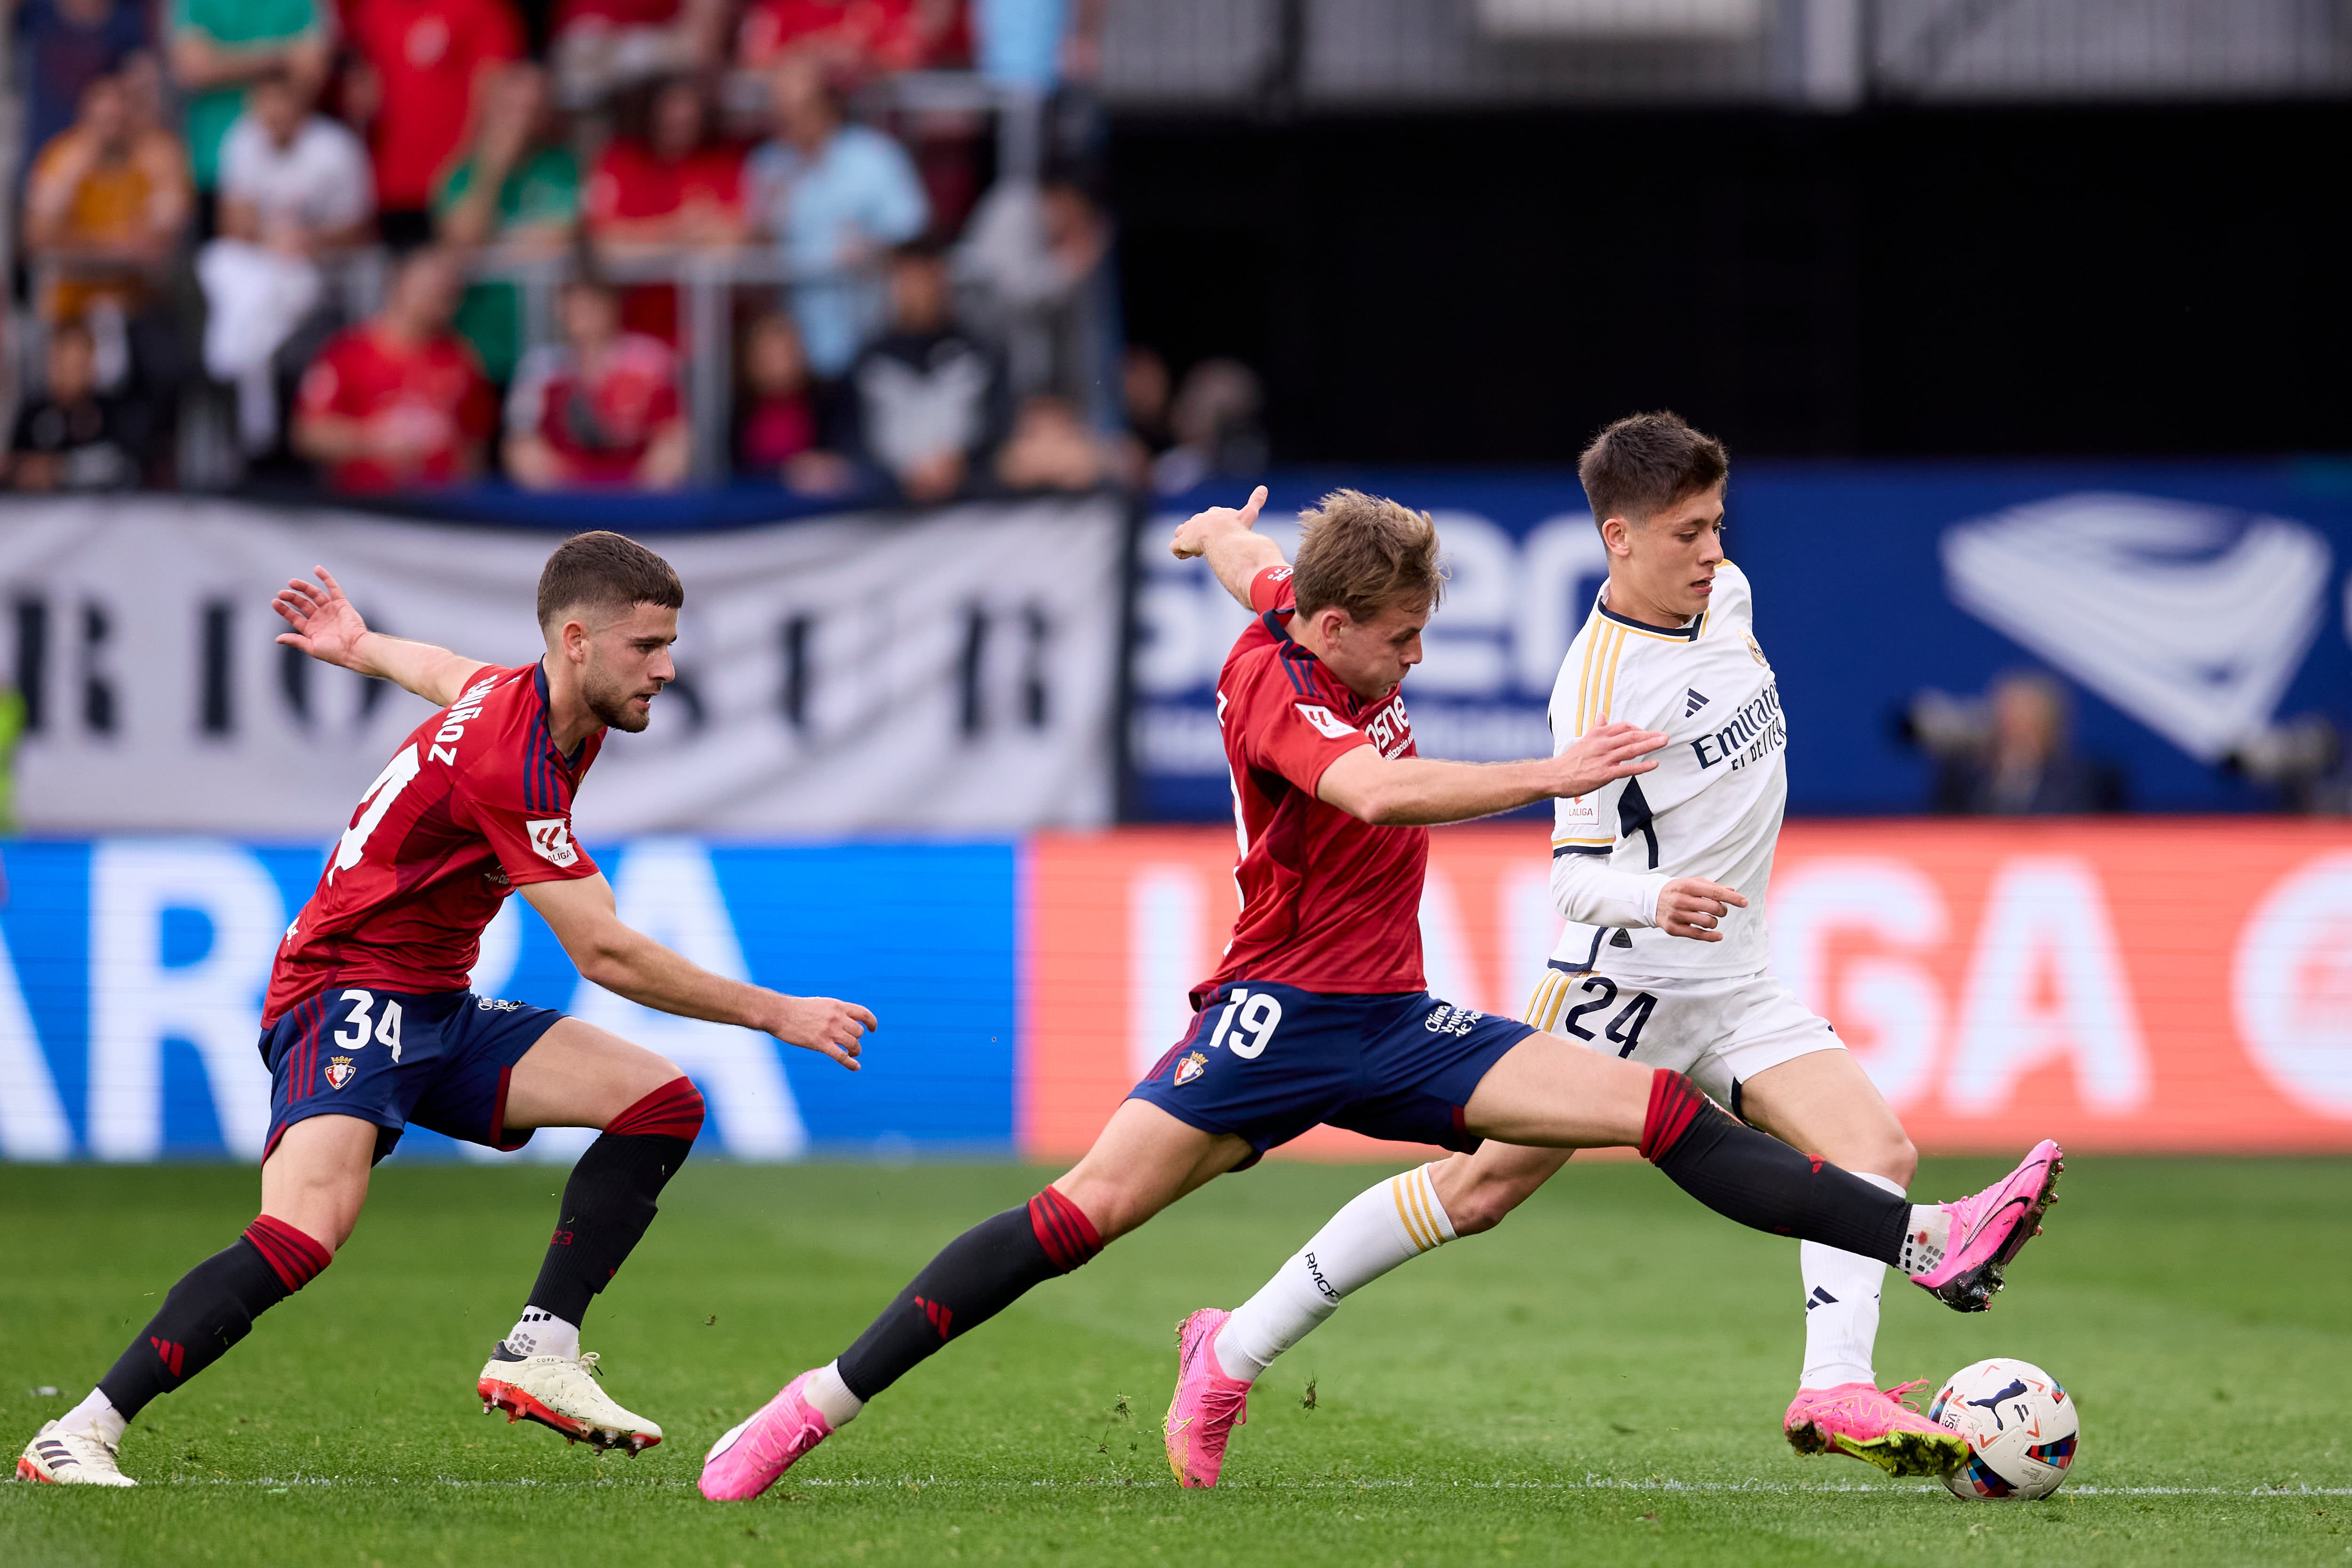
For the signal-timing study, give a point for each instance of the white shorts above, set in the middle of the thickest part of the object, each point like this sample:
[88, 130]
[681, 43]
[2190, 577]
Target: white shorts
[1722, 1032]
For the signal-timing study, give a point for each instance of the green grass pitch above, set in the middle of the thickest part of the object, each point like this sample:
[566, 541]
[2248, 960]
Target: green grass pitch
[1600, 1381]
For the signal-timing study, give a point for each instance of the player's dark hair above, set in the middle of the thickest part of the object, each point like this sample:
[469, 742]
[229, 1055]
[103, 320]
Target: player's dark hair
[605, 570]
[1644, 463]
[1364, 554]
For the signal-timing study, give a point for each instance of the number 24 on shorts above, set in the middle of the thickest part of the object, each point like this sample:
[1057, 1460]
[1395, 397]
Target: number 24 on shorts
[1625, 1030]
[1258, 1018]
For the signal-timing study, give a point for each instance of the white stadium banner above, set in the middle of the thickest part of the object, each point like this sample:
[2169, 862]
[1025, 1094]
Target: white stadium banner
[952, 671]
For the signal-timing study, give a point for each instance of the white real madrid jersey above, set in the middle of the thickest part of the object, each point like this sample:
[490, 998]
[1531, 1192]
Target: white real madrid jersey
[1712, 806]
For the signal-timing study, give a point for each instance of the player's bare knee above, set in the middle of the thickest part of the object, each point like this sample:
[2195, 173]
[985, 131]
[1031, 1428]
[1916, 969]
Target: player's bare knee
[1889, 1153]
[1899, 1161]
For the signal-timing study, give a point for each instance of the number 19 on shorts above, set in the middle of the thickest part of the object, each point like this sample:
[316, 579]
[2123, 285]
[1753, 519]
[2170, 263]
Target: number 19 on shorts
[1247, 1025]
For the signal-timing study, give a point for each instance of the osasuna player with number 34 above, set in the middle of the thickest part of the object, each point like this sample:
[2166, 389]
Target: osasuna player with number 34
[1318, 1012]
[369, 1023]
[1664, 964]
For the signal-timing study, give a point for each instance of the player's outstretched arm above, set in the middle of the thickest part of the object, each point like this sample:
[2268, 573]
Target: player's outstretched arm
[1235, 554]
[327, 628]
[1421, 789]
[632, 964]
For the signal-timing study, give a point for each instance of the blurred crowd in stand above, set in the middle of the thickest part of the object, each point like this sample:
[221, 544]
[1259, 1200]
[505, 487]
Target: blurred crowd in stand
[852, 248]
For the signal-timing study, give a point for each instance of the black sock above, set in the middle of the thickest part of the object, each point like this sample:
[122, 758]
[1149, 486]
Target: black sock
[1757, 1180]
[607, 1203]
[609, 1198]
[210, 1308]
[975, 1277]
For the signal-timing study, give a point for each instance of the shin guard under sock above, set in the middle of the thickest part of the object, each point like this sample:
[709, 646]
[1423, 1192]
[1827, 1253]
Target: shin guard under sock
[975, 1277]
[609, 1198]
[210, 1308]
[1757, 1180]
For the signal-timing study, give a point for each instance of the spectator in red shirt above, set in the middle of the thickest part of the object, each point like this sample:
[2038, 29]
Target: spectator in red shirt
[399, 400]
[421, 63]
[666, 183]
[598, 409]
[855, 39]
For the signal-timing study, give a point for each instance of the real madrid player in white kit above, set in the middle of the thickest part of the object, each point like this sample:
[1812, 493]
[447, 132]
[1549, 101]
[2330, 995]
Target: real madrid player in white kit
[1665, 958]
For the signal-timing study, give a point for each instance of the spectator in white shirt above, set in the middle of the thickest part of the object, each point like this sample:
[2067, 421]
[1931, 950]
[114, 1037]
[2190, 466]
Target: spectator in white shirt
[295, 190]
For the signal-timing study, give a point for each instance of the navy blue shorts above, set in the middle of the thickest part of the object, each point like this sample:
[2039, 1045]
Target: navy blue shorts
[440, 1061]
[1269, 1061]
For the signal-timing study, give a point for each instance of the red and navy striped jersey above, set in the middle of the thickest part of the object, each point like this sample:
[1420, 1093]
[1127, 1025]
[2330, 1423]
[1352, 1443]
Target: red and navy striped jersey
[476, 803]
[1330, 903]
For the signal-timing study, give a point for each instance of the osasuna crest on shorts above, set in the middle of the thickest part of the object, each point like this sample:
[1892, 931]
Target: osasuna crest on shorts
[1712, 806]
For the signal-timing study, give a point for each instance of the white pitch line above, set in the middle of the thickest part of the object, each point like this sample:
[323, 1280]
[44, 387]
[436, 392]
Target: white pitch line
[1589, 1484]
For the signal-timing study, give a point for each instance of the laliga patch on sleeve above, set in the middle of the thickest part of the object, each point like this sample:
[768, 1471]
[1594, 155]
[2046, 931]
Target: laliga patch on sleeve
[1332, 726]
[551, 836]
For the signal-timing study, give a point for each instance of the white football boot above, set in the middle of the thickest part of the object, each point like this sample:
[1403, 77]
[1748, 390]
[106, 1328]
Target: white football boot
[70, 1459]
[562, 1395]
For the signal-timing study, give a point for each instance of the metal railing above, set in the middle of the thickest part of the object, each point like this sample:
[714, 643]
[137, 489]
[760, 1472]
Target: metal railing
[706, 280]
[1262, 56]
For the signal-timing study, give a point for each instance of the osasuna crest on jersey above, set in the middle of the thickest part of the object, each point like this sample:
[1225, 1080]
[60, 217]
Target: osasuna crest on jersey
[339, 1072]
[1712, 806]
[551, 836]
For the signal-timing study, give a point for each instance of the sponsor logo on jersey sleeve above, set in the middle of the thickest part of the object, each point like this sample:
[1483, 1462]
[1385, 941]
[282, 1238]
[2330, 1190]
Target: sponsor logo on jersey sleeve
[1332, 726]
[551, 837]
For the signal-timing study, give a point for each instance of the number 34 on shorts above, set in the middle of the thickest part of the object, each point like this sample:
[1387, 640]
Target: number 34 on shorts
[358, 1027]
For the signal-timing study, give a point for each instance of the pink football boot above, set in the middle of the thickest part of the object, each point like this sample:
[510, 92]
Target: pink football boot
[1875, 1427]
[1208, 1404]
[1990, 1229]
[747, 1459]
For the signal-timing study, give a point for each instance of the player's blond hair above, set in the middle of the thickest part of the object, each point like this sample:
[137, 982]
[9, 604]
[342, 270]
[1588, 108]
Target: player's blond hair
[1364, 554]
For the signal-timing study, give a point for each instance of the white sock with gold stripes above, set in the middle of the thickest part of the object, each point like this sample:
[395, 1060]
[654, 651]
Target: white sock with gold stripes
[1379, 1229]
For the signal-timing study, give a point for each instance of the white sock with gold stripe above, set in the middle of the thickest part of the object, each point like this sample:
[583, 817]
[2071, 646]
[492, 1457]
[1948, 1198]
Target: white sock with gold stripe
[1388, 1225]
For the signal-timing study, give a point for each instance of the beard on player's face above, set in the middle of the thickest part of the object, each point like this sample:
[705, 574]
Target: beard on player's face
[611, 693]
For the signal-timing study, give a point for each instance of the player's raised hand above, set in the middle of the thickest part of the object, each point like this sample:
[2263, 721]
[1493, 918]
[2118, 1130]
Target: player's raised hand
[1195, 532]
[821, 1025]
[1691, 907]
[1605, 751]
[326, 625]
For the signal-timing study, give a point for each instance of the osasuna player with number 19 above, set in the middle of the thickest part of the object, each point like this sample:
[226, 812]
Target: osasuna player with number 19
[1664, 964]
[1318, 1012]
[369, 1023]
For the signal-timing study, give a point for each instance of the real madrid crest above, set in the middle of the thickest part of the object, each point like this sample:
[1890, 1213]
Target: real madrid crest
[1756, 650]
[339, 1072]
[1193, 1064]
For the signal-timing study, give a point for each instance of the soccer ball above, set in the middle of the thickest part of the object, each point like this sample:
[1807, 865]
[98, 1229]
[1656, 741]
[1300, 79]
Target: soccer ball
[2020, 1426]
